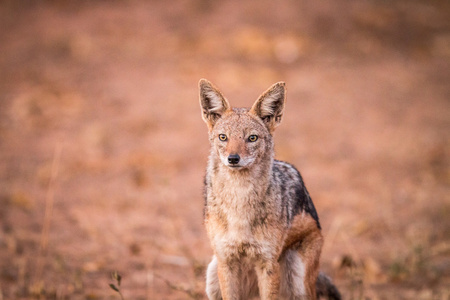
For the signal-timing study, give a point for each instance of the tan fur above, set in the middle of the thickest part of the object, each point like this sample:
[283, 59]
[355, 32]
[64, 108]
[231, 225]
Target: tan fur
[305, 232]
[257, 249]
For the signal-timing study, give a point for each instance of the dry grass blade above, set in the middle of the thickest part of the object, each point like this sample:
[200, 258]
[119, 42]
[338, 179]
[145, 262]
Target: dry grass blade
[116, 276]
[49, 201]
[191, 293]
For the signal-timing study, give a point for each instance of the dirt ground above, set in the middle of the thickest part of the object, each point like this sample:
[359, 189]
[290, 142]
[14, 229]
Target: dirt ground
[103, 150]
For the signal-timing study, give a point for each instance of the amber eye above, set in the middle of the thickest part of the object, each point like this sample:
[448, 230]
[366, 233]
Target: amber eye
[222, 137]
[253, 138]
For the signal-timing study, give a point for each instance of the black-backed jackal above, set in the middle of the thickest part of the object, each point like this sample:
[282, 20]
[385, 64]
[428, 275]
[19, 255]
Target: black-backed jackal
[262, 224]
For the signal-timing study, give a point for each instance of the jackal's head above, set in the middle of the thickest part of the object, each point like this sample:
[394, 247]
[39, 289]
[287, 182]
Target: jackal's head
[242, 137]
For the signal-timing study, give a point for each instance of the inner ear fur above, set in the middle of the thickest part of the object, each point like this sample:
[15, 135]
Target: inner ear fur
[270, 105]
[212, 102]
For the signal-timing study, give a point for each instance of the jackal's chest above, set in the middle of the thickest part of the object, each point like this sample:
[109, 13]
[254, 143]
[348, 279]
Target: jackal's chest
[238, 239]
[242, 230]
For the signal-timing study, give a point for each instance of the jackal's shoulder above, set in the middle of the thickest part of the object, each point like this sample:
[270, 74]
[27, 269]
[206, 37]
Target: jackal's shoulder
[294, 196]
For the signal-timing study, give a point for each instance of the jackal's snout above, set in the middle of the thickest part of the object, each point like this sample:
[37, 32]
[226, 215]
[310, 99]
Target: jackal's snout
[233, 159]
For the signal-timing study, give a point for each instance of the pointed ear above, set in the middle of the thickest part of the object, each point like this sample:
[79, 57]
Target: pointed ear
[212, 103]
[270, 105]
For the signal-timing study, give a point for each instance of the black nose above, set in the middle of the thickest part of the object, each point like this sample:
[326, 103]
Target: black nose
[233, 159]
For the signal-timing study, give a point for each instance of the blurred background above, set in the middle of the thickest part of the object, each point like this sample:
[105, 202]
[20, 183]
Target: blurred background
[103, 150]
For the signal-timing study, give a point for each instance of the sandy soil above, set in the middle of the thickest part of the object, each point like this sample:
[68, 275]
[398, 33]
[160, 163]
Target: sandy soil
[102, 147]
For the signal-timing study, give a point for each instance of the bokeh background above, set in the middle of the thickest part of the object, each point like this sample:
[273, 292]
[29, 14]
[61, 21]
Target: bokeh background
[103, 150]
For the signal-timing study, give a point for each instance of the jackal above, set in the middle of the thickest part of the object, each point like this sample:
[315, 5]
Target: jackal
[262, 224]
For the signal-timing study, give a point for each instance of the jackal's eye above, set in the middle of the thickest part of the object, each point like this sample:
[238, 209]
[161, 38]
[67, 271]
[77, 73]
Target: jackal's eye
[252, 138]
[222, 137]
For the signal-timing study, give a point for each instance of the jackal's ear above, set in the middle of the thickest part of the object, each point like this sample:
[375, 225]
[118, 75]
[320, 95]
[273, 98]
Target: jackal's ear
[212, 103]
[270, 105]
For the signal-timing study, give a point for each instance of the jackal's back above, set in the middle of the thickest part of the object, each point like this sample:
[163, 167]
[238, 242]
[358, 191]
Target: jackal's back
[291, 192]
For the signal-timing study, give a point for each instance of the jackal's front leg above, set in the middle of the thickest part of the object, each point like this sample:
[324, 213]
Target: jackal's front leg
[269, 280]
[229, 280]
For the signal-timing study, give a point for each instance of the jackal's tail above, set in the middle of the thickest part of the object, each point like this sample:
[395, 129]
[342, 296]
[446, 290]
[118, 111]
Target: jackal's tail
[325, 289]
